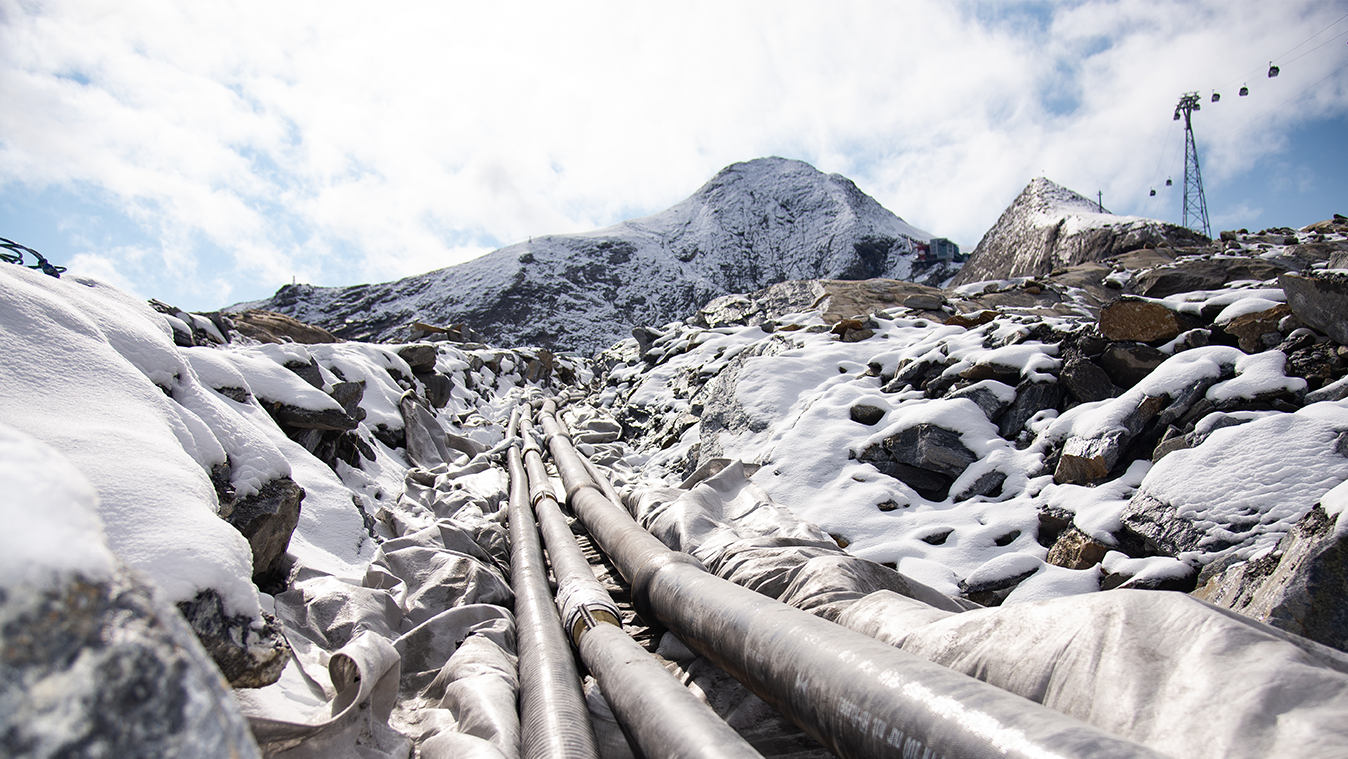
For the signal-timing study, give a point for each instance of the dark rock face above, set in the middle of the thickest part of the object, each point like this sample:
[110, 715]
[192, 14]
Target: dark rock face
[925, 457]
[267, 518]
[126, 677]
[1299, 587]
[248, 658]
[1199, 274]
[1035, 235]
[421, 358]
[1031, 398]
[1321, 301]
[309, 419]
[866, 414]
[1126, 363]
[1086, 381]
[755, 223]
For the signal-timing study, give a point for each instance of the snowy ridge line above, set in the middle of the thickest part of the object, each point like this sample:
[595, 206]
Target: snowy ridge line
[754, 223]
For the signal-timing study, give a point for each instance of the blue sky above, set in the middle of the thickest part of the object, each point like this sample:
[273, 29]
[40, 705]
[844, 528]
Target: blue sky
[206, 154]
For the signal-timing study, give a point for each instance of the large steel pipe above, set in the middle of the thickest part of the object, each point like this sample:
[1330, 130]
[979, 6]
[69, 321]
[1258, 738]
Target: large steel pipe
[852, 693]
[662, 717]
[554, 720]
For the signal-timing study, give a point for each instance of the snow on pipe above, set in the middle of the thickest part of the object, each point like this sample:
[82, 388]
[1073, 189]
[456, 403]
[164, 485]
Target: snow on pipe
[656, 711]
[855, 695]
[554, 719]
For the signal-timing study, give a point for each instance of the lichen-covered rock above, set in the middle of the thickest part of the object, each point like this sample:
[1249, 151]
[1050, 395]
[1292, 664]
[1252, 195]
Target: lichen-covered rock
[106, 668]
[1075, 549]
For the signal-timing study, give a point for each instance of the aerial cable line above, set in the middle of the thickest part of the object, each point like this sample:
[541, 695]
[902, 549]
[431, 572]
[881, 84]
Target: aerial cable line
[1277, 107]
[1293, 49]
[1317, 47]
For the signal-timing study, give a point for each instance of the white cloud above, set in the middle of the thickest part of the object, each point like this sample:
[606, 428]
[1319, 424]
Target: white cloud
[330, 141]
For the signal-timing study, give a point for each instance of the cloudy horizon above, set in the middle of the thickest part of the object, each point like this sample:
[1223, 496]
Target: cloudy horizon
[208, 154]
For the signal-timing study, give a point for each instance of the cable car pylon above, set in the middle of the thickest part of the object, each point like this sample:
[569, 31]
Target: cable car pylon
[1195, 215]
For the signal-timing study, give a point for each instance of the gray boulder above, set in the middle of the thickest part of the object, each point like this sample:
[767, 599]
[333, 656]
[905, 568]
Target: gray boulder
[266, 518]
[925, 457]
[1301, 587]
[109, 669]
[248, 657]
[1320, 300]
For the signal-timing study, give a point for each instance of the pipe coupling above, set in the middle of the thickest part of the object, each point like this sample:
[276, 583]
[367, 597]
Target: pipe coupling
[585, 606]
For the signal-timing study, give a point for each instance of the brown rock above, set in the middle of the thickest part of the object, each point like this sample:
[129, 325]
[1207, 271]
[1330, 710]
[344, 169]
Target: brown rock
[1075, 549]
[271, 327]
[969, 321]
[1140, 320]
[1250, 329]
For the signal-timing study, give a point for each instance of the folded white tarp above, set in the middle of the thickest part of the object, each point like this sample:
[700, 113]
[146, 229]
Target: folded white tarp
[1161, 668]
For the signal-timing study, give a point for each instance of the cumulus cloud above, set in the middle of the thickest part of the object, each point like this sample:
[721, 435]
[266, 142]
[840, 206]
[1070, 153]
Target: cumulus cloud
[336, 142]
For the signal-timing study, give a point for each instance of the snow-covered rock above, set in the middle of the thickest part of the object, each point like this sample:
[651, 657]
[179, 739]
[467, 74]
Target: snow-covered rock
[1048, 227]
[97, 662]
[755, 223]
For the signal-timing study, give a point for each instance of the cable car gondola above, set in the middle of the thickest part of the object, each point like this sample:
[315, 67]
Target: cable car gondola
[1244, 91]
[1272, 70]
[1216, 96]
[1168, 182]
[1153, 192]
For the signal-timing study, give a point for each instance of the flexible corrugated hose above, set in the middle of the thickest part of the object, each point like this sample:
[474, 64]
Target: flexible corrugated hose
[859, 697]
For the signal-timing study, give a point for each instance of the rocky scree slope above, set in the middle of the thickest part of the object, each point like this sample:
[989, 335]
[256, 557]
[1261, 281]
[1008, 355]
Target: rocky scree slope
[1021, 439]
[1049, 226]
[755, 223]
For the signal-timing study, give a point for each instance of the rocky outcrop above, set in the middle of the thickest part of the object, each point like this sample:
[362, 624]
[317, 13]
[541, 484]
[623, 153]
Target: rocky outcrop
[271, 327]
[248, 656]
[1299, 587]
[1049, 227]
[755, 223]
[108, 668]
[1320, 300]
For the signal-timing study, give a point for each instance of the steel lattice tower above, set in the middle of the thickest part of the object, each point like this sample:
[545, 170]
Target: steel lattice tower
[1195, 203]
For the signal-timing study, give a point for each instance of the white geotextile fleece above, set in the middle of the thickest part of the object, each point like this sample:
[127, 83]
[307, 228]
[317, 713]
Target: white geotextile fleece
[1260, 477]
[81, 362]
[50, 516]
[1164, 669]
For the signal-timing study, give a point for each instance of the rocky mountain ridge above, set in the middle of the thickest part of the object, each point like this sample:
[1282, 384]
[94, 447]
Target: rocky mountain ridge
[754, 223]
[1049, 226]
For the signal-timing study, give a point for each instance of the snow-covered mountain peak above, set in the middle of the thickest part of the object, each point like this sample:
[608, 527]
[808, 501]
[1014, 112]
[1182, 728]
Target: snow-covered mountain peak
[753, 224]
[1049, 226]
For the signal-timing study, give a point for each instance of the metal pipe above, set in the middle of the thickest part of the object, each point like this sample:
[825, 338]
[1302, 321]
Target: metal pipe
[662, 717]
[855, 695]
[554, 719]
